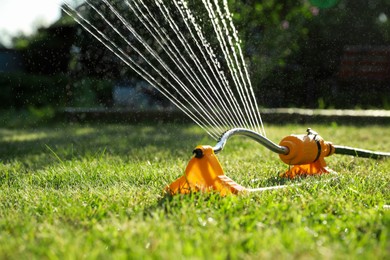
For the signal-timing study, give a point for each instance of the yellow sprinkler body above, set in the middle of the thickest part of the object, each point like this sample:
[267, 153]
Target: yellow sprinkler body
[204, 173]
[305, 153]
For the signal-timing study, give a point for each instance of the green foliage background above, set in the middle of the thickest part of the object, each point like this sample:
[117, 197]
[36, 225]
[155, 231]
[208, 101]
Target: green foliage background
[293, 50]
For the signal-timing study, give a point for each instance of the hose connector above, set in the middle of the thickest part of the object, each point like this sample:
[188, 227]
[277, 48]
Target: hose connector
[304, 149]
[306, 153]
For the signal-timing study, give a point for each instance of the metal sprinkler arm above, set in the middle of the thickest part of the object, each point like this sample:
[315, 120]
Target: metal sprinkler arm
[253, 135]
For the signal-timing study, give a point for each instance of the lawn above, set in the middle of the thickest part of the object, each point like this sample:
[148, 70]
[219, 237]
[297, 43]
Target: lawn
[96, 191]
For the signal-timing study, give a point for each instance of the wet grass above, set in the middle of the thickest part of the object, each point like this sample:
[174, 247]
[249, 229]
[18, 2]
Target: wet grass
[95, 191]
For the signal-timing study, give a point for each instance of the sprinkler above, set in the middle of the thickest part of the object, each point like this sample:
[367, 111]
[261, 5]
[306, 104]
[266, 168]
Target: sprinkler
[305, 153]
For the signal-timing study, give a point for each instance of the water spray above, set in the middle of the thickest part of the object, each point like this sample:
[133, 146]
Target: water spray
[305, 153]
[164, 43]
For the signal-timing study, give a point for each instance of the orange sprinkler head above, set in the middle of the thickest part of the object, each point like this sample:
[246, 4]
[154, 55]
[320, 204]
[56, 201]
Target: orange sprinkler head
[306, 153]
[204, 173]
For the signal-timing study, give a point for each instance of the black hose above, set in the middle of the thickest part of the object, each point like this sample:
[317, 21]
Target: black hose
[360, 152]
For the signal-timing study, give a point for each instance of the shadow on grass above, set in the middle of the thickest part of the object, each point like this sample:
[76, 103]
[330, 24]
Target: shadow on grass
[62, 142]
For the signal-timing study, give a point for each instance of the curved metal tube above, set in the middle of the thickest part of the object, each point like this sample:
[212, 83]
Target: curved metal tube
[253, 135]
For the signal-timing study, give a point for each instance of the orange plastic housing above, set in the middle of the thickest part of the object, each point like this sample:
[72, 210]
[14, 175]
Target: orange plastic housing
[204, 173]
[306, 153]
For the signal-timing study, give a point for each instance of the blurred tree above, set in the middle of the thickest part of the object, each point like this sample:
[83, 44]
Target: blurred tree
[46, 57]
[47, 51]
[293, 48]
[302, 66]
[270, 31]
[349, 23]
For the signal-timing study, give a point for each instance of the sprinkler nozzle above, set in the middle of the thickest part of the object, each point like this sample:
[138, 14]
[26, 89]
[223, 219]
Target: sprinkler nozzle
[198, 153]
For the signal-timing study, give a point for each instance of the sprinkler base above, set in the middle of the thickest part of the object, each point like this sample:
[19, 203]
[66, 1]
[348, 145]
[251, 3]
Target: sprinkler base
[315, 168]
[204, 173]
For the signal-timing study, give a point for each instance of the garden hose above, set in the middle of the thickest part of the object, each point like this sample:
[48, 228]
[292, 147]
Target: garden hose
[360, 152]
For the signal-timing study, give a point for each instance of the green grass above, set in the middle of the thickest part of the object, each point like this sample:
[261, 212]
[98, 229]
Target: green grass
[95, 191]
